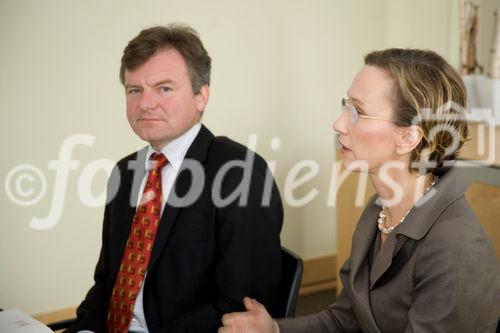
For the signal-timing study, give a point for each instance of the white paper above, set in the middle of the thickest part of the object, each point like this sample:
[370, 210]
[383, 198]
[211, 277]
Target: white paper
[14, 321]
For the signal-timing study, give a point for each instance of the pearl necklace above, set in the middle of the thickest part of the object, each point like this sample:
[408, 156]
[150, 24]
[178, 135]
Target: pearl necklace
[381, 215]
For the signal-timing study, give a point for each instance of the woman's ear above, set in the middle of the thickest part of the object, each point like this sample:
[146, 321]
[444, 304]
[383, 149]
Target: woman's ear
[409, 140]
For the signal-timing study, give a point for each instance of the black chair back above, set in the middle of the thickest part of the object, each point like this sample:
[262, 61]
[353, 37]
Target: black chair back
[291, 276]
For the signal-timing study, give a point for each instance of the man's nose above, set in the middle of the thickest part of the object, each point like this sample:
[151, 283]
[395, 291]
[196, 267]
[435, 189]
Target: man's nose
[148, 101]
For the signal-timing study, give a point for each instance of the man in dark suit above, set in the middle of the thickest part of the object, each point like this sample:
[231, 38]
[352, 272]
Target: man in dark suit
[192, 221]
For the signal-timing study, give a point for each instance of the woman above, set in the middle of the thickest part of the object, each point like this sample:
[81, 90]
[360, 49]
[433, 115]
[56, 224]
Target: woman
[420, 260]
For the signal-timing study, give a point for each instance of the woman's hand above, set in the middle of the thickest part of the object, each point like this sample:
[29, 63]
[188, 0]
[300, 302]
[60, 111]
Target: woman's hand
[255, 320]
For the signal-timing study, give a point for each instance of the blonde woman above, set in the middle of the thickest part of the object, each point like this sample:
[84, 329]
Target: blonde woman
[420, 260]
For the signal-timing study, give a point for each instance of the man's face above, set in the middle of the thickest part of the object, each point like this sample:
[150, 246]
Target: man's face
[161, 105]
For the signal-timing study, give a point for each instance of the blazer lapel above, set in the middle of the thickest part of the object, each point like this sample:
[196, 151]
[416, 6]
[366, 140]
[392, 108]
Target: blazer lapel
[385, 263]
[363, 238]
[400, 245]
[197, 152]
[360, 271]
[390, 259]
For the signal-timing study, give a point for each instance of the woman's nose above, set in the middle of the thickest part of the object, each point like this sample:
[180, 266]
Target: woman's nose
[339, 125]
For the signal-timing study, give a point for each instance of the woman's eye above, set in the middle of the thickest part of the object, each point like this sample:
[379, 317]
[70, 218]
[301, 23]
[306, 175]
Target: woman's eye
[359, 111]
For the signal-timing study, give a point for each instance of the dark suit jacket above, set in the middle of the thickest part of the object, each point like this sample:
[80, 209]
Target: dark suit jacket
[206, 257]
[437, 272]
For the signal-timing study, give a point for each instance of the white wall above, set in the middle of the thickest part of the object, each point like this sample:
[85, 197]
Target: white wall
[279, 70]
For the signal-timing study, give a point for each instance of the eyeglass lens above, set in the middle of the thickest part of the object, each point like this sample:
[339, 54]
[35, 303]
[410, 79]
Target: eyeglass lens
[353, 113]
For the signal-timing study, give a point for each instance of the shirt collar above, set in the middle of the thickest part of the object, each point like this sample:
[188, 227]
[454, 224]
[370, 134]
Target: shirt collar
[451, 185]
[176, 150]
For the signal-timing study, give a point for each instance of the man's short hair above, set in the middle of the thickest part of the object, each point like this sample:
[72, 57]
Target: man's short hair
[180, 37]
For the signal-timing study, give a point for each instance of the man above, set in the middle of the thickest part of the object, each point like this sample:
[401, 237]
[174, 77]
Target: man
[192, 221]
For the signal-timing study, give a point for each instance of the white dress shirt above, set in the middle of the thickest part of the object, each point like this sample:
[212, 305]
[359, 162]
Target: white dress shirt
[175, 152]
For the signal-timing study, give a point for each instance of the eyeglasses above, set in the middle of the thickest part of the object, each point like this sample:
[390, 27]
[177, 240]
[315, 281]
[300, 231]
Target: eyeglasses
[354, 114]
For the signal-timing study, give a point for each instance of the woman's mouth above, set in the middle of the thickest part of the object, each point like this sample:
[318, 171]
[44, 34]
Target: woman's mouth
[342, 148]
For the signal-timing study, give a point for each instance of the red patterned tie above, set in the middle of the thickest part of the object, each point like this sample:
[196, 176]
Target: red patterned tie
[137, 250]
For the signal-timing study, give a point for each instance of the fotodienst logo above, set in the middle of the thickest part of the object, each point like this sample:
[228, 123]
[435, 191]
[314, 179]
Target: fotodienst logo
[26, 184]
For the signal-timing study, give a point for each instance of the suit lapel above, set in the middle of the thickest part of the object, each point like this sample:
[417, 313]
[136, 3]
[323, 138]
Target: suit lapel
[360, 248]
[363, 237]
[197, 152]
[400, 258]
[390, 259]
[360, 271]
[400, 246]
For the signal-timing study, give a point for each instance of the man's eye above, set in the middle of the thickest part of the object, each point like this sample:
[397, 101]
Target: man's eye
[165, 89]
[132, 91]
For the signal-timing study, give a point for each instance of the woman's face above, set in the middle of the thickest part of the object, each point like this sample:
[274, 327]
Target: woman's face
[372, 137]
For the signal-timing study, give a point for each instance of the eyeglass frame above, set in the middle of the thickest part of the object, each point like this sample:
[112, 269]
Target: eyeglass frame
[354, 114]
